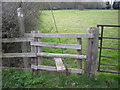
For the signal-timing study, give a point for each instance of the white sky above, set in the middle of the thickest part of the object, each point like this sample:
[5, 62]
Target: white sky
[56, 0]
[111, 0]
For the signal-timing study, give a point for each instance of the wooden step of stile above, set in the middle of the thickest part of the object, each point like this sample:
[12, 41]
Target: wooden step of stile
[59, 64]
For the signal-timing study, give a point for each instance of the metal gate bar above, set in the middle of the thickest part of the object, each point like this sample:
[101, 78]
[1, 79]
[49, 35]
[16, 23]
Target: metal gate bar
[101, 42]
[110, 48]
[110, 65]
[110, 71]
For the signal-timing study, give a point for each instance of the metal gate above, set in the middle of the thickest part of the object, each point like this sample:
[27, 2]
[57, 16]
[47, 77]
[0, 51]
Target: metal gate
[101, 65]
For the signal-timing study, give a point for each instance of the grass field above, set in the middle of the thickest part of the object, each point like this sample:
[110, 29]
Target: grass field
[70, 21]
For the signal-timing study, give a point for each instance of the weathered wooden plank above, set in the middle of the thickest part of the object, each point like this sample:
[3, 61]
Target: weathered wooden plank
[12, 55]
[10, 40]
[71, 46]
[61, 55]
[92, 52]
[79, 52]
[59, 64]
[72, 35]
[51, 68]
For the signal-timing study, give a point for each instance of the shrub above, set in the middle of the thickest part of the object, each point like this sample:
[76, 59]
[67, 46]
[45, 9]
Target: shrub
[108, 5]
[116, 5]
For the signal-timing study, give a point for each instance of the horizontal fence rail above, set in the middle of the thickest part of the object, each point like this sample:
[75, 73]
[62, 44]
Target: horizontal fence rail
[10, 40]
[51, 68]
[70, 46]
[12, 55]
[73, 35]
[61, 55]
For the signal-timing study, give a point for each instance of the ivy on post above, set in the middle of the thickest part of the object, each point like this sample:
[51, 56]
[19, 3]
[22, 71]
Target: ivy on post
[21, 34]
[92, 52]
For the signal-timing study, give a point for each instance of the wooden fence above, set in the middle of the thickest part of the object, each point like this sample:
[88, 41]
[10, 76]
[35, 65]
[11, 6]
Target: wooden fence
[35, 39]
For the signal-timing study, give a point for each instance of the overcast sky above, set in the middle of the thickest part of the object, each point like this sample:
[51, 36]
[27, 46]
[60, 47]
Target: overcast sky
[111, 0]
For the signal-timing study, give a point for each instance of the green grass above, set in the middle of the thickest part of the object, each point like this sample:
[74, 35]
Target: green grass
[77, 21]
[16, 79]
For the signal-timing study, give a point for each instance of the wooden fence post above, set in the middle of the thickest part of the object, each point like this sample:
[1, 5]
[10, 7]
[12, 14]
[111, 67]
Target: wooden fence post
[21, 34]
[79, 51]
[39, 50]
[92, 52]
[34, 60]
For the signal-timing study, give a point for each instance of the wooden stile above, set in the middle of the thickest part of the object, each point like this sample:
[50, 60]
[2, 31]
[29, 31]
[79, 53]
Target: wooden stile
[36, 53]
